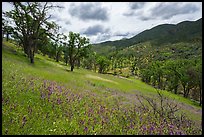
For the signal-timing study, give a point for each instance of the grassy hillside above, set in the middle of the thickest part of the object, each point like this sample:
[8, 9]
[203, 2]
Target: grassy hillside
[186, 31]
[46, 98]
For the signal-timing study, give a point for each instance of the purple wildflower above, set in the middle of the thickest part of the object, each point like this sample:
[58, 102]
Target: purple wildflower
[140, 119]
[59, 88]
[50, 92]
[171, 126]
[50, 89]
[85, 129]
[131, 125]
[144, 128]
[171, 133]
[102, 109]
[42, 95]
[178, 132]
[151, 128]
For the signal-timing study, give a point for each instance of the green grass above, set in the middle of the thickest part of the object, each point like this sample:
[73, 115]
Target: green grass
[22, 89]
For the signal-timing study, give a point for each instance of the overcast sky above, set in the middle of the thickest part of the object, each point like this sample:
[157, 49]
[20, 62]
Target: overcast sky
[103, 21]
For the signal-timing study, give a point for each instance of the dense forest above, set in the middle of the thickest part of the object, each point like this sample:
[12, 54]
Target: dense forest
[167, 57]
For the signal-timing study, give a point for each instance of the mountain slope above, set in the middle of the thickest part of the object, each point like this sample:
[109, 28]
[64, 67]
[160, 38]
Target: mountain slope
[45, 98]
[185, 31]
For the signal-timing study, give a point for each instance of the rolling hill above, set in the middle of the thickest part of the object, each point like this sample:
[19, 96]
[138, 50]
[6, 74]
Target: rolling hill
[186, 31]
[46, 98]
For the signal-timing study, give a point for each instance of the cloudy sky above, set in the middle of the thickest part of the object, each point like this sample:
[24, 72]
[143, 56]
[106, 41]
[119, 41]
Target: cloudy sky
[103, 21]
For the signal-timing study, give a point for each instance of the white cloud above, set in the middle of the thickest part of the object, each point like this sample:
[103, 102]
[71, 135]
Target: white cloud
[88, 11]
[142, 16]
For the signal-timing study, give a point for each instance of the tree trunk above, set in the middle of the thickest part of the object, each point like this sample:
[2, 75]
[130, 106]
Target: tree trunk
[184, 91]
[187, 93]
[100, 69]
[32, 59]
[7, 37]
[57, 57]
[71, 62]
[31, 56]
[26, 48]
[78, 63]
[159, 82]
[175, 89]
[72, 67]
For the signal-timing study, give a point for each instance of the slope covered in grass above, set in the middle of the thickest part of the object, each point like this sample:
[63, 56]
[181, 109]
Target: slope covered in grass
[46, 98]
[160, 35]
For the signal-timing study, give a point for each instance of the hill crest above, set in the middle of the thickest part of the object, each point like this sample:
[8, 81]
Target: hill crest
[165, 33]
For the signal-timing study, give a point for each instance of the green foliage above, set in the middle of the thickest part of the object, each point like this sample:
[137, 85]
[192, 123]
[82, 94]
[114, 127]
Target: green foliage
[43, 98]
[90, 61]
[170, 66]
[30, 21]
[77, 48]
[103, 64]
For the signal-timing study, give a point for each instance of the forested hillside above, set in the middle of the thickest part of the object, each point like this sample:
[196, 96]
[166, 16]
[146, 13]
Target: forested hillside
[166, 57]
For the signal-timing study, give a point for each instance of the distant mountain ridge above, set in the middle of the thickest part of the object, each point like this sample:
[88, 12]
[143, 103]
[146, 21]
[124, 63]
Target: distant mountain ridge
[185, 31]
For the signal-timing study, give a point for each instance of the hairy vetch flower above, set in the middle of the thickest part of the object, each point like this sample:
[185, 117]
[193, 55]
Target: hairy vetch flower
[86, 129]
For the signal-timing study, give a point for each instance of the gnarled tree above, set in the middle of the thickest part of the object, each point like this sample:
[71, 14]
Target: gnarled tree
[29, 18]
